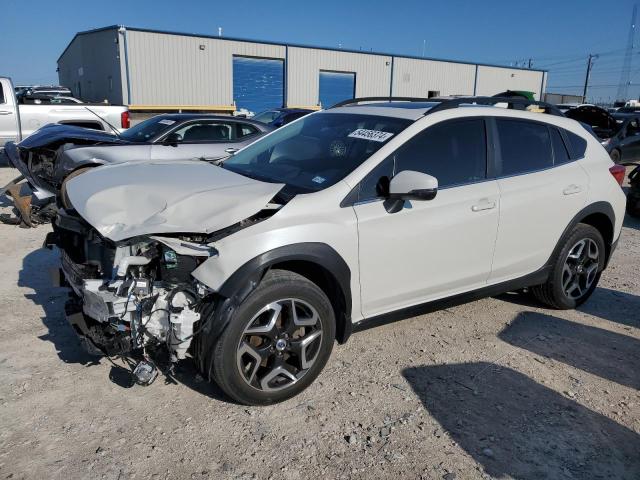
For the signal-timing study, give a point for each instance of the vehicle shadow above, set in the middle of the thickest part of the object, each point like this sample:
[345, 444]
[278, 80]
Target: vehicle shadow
[35, 275]
[614, 306]
[517, 428]
[606, 354]
[631, 222]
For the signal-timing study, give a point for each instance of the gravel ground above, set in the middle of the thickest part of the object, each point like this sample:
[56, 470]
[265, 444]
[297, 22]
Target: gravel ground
[498, 388]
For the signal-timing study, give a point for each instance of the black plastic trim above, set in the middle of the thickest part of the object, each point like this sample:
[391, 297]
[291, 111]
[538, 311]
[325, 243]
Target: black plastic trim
[596, 207]
[535, 278]
[247, 277]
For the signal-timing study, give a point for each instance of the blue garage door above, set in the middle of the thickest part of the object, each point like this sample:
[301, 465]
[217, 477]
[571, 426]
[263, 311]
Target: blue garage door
[336, 86]
[258, 83]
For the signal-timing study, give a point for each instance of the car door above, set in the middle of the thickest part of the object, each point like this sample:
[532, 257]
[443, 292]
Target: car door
[206, 139]
[436, 248]
[541, 190]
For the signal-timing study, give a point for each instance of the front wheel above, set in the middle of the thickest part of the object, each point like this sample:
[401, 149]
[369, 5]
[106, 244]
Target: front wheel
[576, 269]
[277, 341]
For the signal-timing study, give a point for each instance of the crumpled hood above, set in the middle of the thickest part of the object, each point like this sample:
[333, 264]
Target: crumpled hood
[153, 197]
[56, 133]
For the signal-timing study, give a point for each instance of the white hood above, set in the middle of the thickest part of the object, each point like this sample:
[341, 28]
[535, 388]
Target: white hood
[125, 200]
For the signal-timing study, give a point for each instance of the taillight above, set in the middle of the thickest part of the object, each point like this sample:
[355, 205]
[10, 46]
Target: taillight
[618, 172]
[125, 122]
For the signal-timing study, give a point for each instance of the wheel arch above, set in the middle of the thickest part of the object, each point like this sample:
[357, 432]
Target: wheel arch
[317, 262]
[599, 215]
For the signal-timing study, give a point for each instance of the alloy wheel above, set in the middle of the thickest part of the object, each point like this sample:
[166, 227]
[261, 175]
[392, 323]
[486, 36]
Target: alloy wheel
[580, 268]
[279, 344]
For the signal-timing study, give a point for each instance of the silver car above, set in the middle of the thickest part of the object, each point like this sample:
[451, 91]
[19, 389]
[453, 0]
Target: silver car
[57, 153]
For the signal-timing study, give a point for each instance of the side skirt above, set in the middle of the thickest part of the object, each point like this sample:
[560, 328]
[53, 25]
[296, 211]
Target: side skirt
[535, 278]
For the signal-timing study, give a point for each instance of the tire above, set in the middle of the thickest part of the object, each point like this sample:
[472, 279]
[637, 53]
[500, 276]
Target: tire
[615, 156]
[64, 196]
[266, 354]
[575, 272]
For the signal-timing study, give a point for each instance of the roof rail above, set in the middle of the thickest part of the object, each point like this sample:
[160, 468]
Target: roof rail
[352, 101]
[511, 102]
[449, 103]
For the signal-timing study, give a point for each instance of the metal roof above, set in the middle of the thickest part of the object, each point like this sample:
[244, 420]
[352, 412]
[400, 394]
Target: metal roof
[266, 42]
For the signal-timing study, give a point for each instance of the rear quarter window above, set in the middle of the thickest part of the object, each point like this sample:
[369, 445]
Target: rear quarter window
[560, 152]
[577, 145]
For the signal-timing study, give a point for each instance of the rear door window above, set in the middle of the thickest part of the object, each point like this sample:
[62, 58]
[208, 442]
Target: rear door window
[524, 146]
[454, 152]
[206, 132]
[245, 129]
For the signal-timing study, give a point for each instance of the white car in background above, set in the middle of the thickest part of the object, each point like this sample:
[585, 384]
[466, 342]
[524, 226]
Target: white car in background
[18, 121]
[368, 211]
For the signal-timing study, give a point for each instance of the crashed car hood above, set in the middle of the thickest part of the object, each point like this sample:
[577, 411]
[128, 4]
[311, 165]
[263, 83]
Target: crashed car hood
[125, 200]
[55, 133]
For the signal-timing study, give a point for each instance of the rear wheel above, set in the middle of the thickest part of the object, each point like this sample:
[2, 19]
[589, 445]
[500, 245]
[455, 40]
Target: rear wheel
[576, 269]
[277, 342]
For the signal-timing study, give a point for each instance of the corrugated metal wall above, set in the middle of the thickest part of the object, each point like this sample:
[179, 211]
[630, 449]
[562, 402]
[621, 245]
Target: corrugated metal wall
[173, 70]
[415, 77]
[373, 73]
[492, 80]
[91, 67]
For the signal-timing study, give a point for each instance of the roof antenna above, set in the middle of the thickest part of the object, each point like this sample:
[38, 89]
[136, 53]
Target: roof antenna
[424, 47]
[219, 31]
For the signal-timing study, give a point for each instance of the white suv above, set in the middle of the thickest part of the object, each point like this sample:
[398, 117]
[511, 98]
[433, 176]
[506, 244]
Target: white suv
[368, 210]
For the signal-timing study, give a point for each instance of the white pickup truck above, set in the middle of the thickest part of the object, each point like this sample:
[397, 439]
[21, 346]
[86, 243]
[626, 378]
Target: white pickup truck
[19, 121]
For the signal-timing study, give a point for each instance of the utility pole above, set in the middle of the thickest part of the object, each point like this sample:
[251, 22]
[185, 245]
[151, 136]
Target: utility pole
[586, 78]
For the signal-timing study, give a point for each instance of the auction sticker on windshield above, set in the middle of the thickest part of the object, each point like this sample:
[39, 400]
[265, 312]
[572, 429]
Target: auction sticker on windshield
[373, 135]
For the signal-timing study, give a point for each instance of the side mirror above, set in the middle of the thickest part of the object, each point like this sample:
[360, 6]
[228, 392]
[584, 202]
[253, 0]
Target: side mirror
[409, 185]
[172, 139]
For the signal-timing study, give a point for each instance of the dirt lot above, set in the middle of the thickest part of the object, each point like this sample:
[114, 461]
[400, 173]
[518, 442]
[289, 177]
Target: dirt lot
[494, 388]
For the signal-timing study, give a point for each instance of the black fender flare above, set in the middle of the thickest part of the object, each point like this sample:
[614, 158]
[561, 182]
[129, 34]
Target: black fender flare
[600, 207]
[245, 280]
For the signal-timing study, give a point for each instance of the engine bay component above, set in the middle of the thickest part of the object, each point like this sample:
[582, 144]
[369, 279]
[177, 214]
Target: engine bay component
[145, 373]
[131, 295]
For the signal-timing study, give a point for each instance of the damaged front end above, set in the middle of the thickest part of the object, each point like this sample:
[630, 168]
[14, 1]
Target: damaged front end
[127, 261]
[129, 295]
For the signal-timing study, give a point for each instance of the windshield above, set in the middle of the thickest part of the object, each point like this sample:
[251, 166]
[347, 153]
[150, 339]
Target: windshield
[147, 130]
[267, 117]
[316, 151]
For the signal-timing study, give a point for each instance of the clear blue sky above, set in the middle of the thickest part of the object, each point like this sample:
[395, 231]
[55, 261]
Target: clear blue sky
[556, 34]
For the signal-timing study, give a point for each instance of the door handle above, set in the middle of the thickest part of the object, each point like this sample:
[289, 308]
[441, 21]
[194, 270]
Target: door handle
[5, 112]
[231, 150]
[572, 189]
[483, 205]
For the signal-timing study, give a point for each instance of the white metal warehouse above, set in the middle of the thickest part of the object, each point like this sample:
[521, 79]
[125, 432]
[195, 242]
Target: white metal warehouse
[160, 70]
